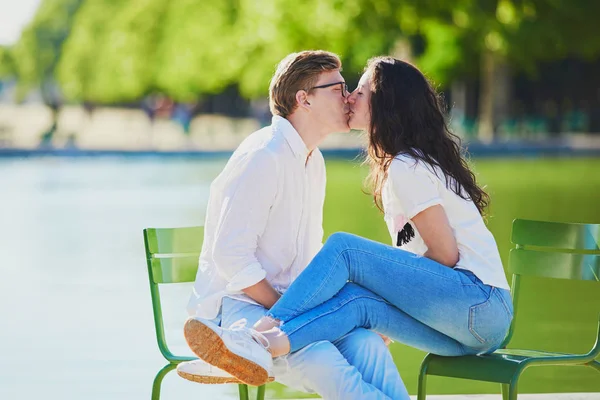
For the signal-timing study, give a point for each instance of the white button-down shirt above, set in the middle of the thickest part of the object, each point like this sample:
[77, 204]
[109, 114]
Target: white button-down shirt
[264, 218]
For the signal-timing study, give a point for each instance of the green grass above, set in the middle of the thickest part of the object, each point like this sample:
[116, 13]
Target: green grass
[554, 315]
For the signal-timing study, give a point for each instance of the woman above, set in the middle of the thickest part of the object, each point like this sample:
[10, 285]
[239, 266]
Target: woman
[440, 288]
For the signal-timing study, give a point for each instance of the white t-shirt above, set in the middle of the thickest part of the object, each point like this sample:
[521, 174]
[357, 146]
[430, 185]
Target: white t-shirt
[413, 186]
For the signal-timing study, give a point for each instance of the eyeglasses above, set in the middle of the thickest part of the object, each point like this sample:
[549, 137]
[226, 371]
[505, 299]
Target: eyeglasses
[342, 84]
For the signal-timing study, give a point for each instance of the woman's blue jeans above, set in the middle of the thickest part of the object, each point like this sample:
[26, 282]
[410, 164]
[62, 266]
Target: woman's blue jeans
[355, 282]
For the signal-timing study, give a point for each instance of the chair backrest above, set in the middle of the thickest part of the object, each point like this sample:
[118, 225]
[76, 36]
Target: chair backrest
[172, 257]
[553, 250]
[172, 253]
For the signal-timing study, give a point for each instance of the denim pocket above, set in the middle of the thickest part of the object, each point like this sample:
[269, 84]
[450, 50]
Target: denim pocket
[489, 321]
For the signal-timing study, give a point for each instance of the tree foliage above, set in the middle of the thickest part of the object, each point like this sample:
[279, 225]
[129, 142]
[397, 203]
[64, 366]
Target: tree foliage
[7, 67]
[522, 32]
[118, 51]
[39, 48]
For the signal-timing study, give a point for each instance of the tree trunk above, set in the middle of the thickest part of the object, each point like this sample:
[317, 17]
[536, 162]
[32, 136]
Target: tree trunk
[494, 96]
[50, 100]
[485, 132]
[458, 109]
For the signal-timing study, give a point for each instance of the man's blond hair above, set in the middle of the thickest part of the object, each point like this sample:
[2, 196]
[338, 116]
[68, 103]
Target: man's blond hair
[298, 71]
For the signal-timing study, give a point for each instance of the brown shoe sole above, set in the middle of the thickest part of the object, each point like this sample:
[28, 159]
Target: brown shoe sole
[212, 380]
[209, 346]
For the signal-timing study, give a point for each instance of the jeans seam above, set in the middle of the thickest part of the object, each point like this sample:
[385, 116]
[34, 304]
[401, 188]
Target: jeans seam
[471, 318]
[334, 309]
[300, 308]
[506, 308]
[405, 264]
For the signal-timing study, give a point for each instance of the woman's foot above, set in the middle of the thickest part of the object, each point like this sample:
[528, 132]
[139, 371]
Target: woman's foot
[279, 342]
[266, 323]
[239, 350]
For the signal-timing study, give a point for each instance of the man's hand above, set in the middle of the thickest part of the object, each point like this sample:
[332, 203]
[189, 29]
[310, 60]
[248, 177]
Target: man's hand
[386, 339]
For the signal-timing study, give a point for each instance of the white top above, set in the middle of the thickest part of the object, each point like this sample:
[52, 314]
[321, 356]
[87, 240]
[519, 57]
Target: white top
[413, 186]
[264, 218]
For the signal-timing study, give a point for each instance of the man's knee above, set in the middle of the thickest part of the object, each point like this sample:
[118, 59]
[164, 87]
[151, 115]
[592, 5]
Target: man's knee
[363, 341]
[319, 355]
[318, 360]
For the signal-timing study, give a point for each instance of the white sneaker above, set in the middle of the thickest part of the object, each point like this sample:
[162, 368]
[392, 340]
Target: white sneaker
[239, 350]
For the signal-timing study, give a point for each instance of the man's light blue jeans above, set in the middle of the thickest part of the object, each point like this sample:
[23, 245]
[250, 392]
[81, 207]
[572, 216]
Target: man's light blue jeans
[355, 282]
[356, 366]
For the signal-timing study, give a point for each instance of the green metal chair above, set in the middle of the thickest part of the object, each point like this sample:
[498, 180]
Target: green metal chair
[172, 257]
[543, 249]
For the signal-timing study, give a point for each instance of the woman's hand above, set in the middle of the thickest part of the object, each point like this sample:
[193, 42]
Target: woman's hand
[434, 227]
[386, 339]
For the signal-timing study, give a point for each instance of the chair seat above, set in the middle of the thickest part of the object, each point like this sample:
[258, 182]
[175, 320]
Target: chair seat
[201, 372]
[499, 366]
[524, 354]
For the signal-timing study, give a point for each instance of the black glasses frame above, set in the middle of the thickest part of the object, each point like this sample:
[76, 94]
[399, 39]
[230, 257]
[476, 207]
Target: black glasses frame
[343, 84]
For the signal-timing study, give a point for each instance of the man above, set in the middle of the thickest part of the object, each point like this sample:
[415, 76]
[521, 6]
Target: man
[263, 226]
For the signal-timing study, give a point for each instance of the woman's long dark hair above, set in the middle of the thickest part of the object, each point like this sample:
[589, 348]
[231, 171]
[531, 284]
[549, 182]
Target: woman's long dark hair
[407, 117]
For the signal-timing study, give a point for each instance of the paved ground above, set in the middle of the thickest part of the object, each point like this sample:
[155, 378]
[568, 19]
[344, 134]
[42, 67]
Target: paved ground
[545, 396]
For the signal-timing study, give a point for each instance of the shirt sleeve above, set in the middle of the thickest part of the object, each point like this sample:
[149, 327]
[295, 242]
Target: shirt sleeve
[247, 199]
[413, 186]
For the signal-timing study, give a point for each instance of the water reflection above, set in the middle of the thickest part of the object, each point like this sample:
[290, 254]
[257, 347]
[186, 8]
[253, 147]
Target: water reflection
[75, 310]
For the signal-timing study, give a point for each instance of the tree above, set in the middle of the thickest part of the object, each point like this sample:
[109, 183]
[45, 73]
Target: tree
[122, 51]
[81, 58]
[7, 67]
[38, 50]
[515, 34]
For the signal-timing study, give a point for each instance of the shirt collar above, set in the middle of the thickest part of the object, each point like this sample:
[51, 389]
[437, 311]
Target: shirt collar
[291, 135]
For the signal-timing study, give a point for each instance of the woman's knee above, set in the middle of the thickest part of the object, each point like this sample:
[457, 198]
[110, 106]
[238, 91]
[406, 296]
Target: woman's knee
[340, 240]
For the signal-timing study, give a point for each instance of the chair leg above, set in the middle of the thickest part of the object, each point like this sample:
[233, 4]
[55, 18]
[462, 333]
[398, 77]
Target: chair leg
[243, 389]
[505, 391]
[159, 378]
[422, 385]
[260, 392]
[509, 390]
[595, 364]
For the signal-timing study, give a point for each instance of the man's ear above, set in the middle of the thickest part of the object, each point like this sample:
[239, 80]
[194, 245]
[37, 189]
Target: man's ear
[302, 98]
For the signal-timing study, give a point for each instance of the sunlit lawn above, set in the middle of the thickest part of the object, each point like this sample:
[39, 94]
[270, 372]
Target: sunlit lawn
[554, 315]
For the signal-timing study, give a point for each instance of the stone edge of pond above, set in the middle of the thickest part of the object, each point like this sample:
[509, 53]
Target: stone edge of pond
[474, 149]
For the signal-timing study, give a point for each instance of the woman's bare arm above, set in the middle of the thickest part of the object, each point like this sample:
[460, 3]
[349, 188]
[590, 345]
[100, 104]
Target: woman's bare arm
[434, 227]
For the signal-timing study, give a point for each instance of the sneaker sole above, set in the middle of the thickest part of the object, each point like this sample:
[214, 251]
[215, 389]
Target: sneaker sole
[210, 380]
[213, 380]
[209, 346]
